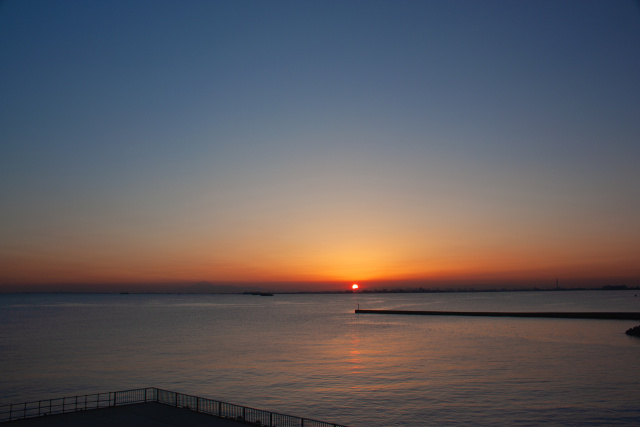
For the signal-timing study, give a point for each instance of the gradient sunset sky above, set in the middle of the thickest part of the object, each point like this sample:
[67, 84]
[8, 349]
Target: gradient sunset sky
[311, 144]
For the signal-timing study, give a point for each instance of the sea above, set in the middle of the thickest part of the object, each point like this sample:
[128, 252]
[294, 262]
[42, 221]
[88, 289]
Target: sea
[312, 356]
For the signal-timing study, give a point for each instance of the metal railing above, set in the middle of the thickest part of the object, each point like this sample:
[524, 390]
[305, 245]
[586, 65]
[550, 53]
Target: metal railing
[248, 415]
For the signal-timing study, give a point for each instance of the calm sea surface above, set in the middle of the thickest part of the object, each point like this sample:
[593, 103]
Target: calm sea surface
[311, 356]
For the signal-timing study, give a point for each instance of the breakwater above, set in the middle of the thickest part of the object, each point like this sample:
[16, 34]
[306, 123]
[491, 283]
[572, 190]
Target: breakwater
[542, 314]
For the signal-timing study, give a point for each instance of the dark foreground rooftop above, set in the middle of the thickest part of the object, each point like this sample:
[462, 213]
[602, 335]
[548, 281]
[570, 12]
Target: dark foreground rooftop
[149, 414]
[146, 407]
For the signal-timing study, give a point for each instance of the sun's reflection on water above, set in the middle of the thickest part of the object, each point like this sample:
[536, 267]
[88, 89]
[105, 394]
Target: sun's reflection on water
[355, 357]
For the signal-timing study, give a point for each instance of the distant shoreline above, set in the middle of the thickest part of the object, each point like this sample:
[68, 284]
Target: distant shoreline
[347, 292]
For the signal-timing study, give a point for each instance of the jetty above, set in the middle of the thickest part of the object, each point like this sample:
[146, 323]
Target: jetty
[148, 407]
[541, 314]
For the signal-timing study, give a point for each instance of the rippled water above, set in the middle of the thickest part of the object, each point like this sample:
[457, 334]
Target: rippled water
[311, 356]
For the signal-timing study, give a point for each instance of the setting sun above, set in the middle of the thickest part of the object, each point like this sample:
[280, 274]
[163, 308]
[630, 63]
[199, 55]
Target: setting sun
[354, 286]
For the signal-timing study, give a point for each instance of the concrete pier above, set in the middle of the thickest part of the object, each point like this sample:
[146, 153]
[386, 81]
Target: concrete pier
[542, 314]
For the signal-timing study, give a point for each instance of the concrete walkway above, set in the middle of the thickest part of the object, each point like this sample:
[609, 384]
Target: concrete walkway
[149, 414]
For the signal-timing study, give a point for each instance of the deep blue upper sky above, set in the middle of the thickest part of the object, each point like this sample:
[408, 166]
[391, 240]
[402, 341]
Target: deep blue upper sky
[287, 140]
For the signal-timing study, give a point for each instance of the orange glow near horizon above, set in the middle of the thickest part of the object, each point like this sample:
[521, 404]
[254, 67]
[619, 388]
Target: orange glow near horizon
[319, 258]
[306, 271]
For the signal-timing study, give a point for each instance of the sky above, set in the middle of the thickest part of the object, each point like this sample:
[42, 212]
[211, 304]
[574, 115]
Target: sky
[292, 145]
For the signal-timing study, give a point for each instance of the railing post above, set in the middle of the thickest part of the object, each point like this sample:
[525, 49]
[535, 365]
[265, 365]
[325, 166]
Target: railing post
[176, 399]
[219, 408]
[10, 411]
[39, 403]
[115, 393]
[270, 419]
[243, 416]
